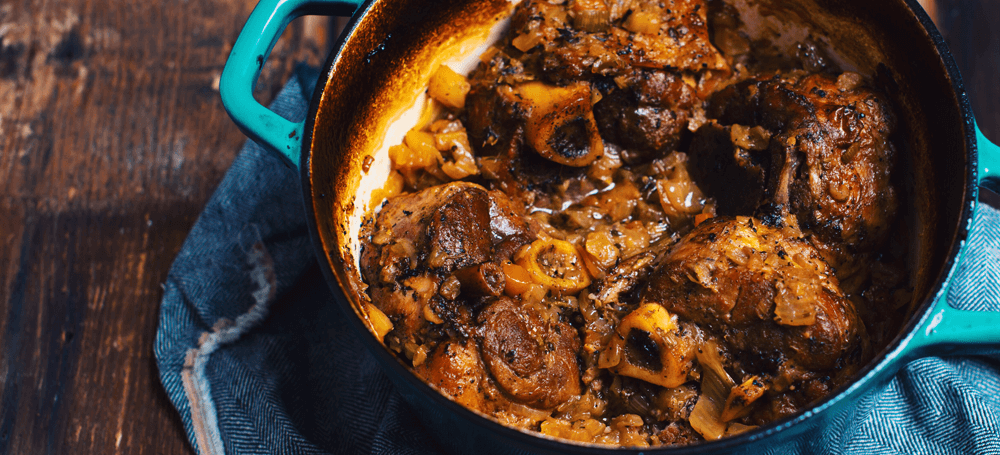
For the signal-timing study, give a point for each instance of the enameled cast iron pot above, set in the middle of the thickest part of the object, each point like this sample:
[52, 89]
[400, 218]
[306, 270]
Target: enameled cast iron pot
[363, 104]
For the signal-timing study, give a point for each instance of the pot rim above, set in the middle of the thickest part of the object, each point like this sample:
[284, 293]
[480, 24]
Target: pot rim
[885, 362]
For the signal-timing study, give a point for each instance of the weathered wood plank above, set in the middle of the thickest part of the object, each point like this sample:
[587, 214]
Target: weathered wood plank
[112, 137]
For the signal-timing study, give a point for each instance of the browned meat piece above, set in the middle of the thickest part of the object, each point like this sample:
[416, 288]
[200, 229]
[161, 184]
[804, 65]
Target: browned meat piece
[497, 123]
[648, 115]
[456, 370]
[531, 359]
[668, 34]
[495, 119]
[828, 157]
[575, 39]
[767, 295]
[456, 234]
[534, 117]
[428, 248]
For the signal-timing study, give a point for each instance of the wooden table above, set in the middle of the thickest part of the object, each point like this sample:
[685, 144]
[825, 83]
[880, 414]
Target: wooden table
[112, 137]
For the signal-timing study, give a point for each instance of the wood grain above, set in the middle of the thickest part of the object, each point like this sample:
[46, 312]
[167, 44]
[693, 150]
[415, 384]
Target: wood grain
[112, 137]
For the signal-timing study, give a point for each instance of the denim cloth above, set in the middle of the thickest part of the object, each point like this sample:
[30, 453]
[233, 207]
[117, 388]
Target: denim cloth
[257, 357]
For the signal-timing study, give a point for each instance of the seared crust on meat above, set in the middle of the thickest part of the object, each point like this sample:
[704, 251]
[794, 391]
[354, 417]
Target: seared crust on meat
[828, 160]
[729, 275]
[772, 302]
[422, 239]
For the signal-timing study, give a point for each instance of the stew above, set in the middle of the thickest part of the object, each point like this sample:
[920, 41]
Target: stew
[633, 224]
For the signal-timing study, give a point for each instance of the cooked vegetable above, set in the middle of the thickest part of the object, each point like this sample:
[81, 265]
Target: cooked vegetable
[393, 186]
[423, 153]
[517, 281]
[706, 417]
[377, 321]
[679, 196]
[462, 163]
[795, 302]
[601, 249]
[590, 15]
[643, 22]
[584, 430]
[448, 87]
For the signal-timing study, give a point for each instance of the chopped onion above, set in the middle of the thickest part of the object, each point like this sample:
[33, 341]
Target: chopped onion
[674, 401]
[628, 420]
[448, 87]
[643, 22]
[611, 356]
[706, 418]
[602, 249]
[851, 152]
[528, 411]
[839, 189]
[796, 297]
[525, 42]
[849, 81]
[378, 322]
[618, 8]
[592, 20]
[736, 428]
[756, 138]
[590, 15]
[584, 430]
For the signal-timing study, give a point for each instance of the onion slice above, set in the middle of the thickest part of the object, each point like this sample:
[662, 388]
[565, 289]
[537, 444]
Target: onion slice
[706, 417]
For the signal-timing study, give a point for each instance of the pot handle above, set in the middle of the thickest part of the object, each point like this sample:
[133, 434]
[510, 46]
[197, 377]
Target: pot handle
[249, 53]
[989, 162]
[951, 331]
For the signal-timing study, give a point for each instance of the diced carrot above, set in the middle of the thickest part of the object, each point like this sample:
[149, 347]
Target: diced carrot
[518, 279]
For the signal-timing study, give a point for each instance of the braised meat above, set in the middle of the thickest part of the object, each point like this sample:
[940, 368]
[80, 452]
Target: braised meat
[434, 251]
[614, 233]
[647, 115]
[584, 38]
[819, 147]
[767, 292]
[772, 303]
[532, 359]
[457, 370]
[572, 76]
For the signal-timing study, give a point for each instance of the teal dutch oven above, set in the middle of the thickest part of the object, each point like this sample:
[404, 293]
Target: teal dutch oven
[376, 75]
